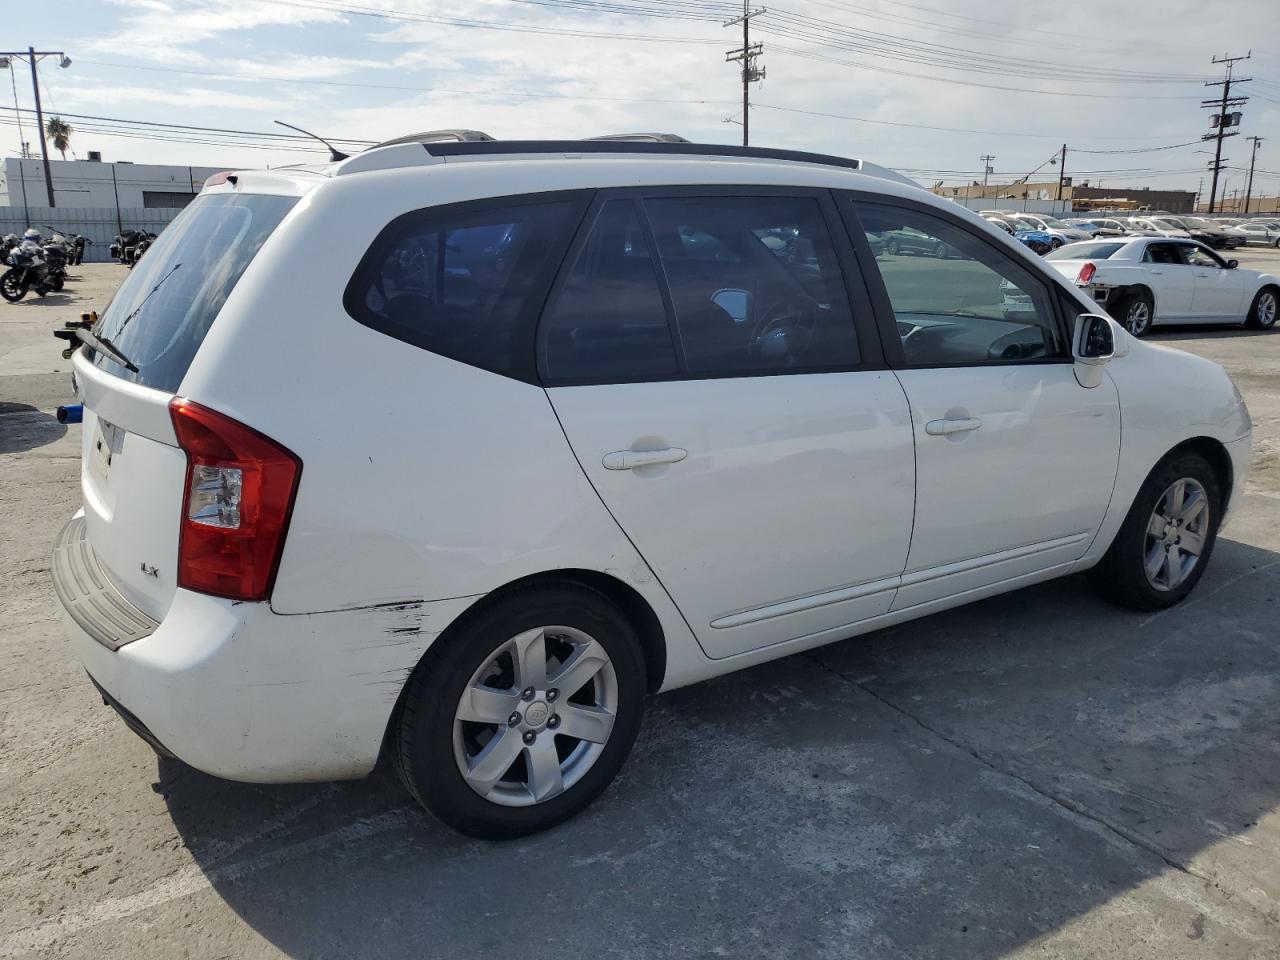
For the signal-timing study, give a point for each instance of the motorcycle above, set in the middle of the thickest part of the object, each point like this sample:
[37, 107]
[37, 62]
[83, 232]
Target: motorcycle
[32, 266]
[144, 243]
[129, 245]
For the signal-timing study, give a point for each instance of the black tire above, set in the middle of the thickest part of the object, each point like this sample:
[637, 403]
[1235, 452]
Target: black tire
[1135, 312]
[424, 734]
[1121, 576]
[56, 285]
[11, 288]
[1264, 309]
[1055, 243]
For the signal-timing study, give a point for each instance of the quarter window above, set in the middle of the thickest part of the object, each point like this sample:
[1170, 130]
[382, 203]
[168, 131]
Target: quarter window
[609, 322]
[459, 283]
[956, 299]
[755, 284]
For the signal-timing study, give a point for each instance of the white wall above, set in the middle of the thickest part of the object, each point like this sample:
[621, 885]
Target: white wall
[83, 183]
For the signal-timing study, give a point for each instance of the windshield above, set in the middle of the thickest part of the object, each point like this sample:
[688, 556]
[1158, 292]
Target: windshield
[1198, 222]
[1085, 251]
[160, 315]
[1166, 224]
[1052, 221]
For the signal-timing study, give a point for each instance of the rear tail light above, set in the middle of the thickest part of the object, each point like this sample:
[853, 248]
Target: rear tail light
[235, 511]
[1086, 273]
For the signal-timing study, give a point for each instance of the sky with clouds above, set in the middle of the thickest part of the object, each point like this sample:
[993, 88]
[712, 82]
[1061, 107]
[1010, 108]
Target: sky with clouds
[926, 86]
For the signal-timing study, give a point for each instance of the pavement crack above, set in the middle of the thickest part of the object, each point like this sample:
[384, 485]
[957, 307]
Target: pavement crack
[1072, 807]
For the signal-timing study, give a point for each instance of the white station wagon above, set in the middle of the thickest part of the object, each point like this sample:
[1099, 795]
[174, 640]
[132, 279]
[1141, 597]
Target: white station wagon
[557, 425]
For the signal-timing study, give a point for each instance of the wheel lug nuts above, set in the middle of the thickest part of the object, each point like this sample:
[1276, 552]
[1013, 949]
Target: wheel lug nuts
[530, 736]
[513, 719]
[552, 694]
[528, 693]
[553, 722]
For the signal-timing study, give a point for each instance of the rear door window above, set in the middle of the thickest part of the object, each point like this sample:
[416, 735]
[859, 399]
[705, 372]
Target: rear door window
[761, 291]
[609, 322]
[465, 282]
[163, 310]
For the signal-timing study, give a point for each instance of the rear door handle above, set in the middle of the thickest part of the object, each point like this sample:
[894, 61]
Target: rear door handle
[630, 459]
[943, 428]
[1157, 273]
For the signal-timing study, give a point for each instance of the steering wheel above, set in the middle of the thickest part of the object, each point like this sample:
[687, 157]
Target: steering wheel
[786, 329]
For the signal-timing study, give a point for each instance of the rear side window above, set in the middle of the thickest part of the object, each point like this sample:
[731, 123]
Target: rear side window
[161, 313]
[460, 282]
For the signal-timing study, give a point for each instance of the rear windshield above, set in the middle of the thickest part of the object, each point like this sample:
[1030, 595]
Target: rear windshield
[161, 313]
[1084, 251]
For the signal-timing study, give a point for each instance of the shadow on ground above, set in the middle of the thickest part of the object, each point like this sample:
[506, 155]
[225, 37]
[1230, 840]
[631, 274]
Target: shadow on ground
[23, 427]
[955, 787]
[1200, 331]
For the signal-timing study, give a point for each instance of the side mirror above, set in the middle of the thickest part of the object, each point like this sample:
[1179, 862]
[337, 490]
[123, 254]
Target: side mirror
[736, 303]
[1093, 344]
[1232, 264]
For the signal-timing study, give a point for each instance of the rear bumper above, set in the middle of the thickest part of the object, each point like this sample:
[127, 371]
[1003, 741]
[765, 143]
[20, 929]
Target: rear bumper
[243, 693]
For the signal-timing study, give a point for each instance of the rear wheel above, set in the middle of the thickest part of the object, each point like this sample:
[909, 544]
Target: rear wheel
[524, 715]
[1262, 314]
[12, 287]
[1136, 313]
[1167, 538]
[1055, 243]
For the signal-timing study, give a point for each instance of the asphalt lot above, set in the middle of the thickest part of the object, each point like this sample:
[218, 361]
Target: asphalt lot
[1037, 775]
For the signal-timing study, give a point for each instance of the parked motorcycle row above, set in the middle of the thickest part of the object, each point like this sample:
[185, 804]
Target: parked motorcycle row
[129, 246]
[38, 264]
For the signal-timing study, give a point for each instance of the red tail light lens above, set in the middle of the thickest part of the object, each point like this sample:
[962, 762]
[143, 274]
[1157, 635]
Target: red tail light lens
[1086, 273]
[235, 511]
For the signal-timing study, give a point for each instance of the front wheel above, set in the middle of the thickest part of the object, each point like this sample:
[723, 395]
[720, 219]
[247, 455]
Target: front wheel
[1055, 243]
[13, 287]
[1167, 537]
[1262, 314]
[520, 718]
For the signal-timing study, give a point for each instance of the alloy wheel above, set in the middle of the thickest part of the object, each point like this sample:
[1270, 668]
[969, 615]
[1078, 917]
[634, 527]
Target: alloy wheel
[1266, 309]
[1176, 534]
[1138, 317]
[536, 715]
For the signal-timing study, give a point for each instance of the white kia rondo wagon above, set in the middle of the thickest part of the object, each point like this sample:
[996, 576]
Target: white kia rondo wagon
[459, 450]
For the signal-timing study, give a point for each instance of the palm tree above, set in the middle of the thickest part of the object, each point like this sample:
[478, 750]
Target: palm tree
[58, 131]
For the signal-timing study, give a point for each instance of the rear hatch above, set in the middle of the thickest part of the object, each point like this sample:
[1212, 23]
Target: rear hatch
[134, 475]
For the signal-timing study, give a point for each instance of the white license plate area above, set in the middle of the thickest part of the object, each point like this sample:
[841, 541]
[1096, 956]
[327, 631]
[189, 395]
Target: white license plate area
[106, 447]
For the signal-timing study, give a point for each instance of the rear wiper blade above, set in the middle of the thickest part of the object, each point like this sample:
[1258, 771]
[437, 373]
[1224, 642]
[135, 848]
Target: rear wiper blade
[103, 345]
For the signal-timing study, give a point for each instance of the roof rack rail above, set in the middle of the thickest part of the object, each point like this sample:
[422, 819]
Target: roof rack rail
[438, 136]
[492, 148]
[641, 138]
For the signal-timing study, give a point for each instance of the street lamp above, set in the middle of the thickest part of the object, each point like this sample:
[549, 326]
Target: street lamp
[34, 56]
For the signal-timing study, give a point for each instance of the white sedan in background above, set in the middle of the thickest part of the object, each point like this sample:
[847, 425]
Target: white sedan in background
[1143, 281]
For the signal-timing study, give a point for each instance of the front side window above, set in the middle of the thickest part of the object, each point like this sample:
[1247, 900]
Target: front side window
[761, 291]
[964, 302]
[458, 282]
[1199, 257]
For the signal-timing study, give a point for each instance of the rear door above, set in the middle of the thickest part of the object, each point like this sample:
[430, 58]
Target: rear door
[1015, 461]
[724, 393]
[133, 474]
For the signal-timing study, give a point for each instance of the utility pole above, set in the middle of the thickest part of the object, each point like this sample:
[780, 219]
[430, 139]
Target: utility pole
[1221, 119]
[33, 56]
[986, 159]
[1248, 192]
[1062, 173]
[747, 53]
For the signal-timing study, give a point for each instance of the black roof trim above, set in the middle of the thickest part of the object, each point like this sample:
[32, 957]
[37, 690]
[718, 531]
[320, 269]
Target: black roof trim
[499, 147]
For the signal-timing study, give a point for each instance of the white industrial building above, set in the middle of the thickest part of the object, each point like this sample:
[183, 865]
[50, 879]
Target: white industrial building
[96, 199]
[92, 183]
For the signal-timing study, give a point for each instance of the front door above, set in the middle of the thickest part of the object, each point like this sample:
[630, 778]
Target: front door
[1015, 461]
[1172, 279]
[703, 358]
[1219, 291]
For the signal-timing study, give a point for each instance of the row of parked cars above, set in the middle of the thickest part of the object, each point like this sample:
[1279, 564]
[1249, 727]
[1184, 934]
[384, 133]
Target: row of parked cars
[1043, 233]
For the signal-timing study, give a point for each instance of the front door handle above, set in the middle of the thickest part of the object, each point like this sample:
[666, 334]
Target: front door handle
[630, 459]
[944, 428]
